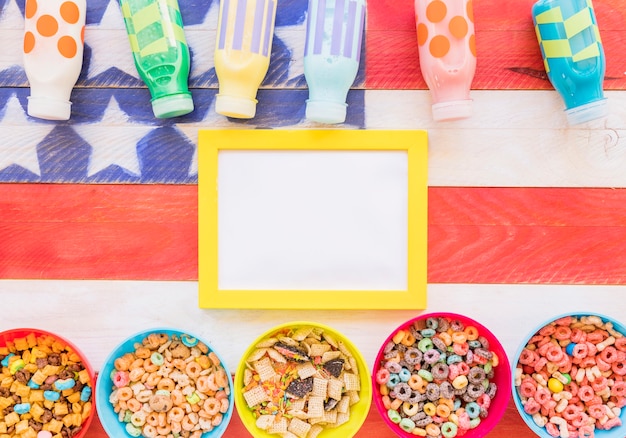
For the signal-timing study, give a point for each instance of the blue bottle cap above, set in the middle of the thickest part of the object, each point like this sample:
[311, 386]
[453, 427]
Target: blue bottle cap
[587, 112]
[326, 111]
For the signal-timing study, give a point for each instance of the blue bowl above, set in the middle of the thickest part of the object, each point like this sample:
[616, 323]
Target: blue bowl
[104, 386]
[616, 432]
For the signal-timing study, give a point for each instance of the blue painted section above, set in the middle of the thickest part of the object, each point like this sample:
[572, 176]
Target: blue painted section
[163, 149]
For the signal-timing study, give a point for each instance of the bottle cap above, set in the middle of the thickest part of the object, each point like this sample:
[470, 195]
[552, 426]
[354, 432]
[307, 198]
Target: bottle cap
[173, 105]
[325, 111]
[587, 112]
[452, 110]
[49, 109]
[235, 106]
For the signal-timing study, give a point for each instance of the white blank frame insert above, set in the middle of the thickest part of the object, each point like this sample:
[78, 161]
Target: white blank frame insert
[333, 219]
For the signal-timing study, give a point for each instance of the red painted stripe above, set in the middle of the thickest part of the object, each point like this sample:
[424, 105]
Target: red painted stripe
[511, 424]
[507, 48]
[476, 235]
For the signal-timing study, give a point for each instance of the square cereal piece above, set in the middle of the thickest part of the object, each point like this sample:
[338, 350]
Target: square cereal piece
[20, 344]
[36, 395]
[83, 376]
[351, 381]
[29, 433]
[55, 426]
[319, 387]
[31, 339]
[319, 349]
[299, 428]
[21, 427]
[255, 396]
[354, 397]
[316, 429]
[306, 369]
[279, 426]
[288, 435]
[11, 419]
[330, 355]
[60, 409]
[330, 417]
[301, 333]
[344, 404]
[335, 388]
[341, 418]
[3, 427]
[264, 422]
[297, 404]
[315, 407]
[265, 369]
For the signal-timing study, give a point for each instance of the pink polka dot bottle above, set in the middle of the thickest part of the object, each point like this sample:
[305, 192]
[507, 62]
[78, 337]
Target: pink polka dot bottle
[53, 54]
[447, 54]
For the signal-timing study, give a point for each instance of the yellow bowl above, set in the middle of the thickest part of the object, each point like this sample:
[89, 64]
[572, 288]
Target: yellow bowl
[358, 411]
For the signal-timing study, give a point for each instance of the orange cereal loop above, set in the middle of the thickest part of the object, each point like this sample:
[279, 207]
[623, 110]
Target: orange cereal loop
[70, 12]
[472, 44]
[30, 9]
[67, 46]
[458, 26]
[47, 25]
[469, 8]
[29, 42]
[436, 11]
[422, 34]
[439, 46]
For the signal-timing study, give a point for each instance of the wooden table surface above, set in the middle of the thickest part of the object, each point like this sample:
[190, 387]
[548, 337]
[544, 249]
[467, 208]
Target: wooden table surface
[98, 215]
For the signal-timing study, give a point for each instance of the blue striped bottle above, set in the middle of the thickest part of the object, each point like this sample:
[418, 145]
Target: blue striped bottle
[573, 55]
[331, 56]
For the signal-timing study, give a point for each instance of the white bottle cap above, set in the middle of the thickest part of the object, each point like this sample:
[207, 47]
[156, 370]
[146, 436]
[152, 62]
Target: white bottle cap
[324, 111]
[452, 110]
[587, 112]
[235, 106]
[172, 106]
[49, 109]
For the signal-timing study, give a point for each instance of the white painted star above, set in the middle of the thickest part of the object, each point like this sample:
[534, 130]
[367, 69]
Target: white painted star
[212, 119]
[201, 40]
[116, 146]
[294, 38]
[12, 25]
[21, 137]
[109, 44]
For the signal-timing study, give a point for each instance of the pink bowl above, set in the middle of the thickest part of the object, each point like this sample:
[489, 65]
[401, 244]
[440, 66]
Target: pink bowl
[9, 336]
[501, 377]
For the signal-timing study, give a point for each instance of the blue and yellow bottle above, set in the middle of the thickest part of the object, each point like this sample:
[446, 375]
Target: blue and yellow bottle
[573, 55]
[242, 54]
[161, 54]
[331, 56]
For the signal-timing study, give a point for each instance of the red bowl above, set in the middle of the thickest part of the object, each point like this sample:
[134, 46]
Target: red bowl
[501, 377]
[10, 336]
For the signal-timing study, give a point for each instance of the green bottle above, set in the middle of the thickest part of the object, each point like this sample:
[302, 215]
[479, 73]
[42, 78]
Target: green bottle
[161, 54]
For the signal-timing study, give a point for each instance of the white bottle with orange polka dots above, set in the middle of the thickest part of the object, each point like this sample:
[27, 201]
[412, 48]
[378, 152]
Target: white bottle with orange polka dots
[447, 54]
[53, 54]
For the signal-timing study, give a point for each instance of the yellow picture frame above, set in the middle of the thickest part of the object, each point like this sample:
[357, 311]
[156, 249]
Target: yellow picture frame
[413, 142]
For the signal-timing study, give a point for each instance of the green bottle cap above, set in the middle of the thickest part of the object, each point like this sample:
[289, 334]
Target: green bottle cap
[172, 106]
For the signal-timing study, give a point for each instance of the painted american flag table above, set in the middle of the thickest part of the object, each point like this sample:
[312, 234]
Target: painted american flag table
[98, 215]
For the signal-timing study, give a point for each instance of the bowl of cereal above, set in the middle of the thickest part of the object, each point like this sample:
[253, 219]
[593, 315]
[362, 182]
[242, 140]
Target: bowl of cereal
[570, 376]
[47, 385]
[441, 374]
[164, 381]
[304, 378]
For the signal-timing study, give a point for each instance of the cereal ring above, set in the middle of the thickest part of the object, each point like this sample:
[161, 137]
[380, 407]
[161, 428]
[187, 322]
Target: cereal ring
[393, 367]
[620, 343]
[449, 429]
[531, 406]
[415, 381]
[619, 368]
[446, 390]
[211, 405]
[193, 369]
[166, 384]
[407, 425]
[404, 375]
[133, 405]
[619, 389]
[562, 332]
[432, 392]
[124, 393]
[596, 411]
[585, 393]
[475, 390]
[460, 348]
[431, 356]
[410, 409]
[412, 356]
[443, 410]
[121, 378]
[149, 431]
[547, 330]
[476, 375]
[382, 377]
[430, 409]
[439, 371]
[401, 391]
